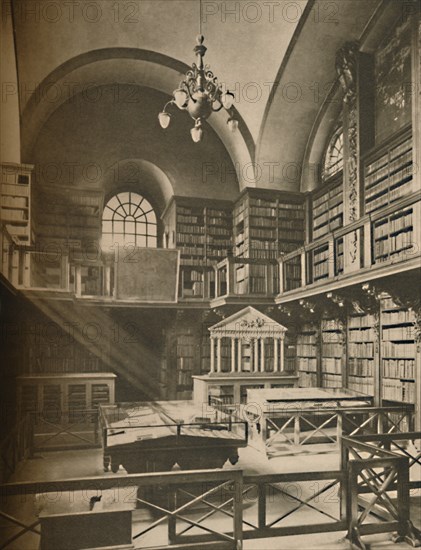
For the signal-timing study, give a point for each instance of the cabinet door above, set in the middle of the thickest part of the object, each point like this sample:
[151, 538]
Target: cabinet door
[76, 395]
[51, 402]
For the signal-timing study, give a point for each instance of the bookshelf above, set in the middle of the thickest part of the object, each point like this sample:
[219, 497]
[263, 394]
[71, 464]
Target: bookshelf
[327, 209]
[398, 353]
[218, 231]
[15, 201]
[186, 351]
[361, 353]
[308, 355]
[332, 353]
[388, 173]
[70, 215]
[267, 224]
[290, 352]
[394, 235]
[318, 261]
[202, 231]
[292, 273]
[51, 394]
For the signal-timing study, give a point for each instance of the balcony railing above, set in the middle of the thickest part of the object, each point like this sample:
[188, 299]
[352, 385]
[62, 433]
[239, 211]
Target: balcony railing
[378, 240]
[374, 241]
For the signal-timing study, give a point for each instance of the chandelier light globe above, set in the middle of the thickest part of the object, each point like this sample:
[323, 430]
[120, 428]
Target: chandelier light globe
[200, 95]
[227, 99]
[180, 98]
[197, 131]
[164, 119]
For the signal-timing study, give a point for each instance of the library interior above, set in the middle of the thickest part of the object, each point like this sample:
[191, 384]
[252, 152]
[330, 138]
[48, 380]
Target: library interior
[210, 320]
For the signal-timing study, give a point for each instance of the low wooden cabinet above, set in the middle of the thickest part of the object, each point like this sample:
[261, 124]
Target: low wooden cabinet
[50, 395]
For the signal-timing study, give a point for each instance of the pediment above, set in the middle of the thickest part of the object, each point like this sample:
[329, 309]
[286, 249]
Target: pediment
[248, 320]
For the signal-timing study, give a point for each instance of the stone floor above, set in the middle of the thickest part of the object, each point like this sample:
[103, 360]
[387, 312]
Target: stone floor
[85, 463]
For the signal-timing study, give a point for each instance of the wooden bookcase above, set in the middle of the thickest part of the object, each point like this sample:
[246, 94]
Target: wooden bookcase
[332, 353]
[352, 354]
[398, 353]
[394, 235]
[308, 355]
[72, 215]
[361, 350]
[388, 172]
[50, 395]
[267, 223]
[15, 201]
[202, 231]
[327, 209]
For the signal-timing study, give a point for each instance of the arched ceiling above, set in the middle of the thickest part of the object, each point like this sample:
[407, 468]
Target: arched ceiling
[246, 40]
[84, 75]
[84, 142]
[278, 58]
[305, 79]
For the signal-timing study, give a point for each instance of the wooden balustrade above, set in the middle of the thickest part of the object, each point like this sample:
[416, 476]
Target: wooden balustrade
[358, 246]
[259, 506]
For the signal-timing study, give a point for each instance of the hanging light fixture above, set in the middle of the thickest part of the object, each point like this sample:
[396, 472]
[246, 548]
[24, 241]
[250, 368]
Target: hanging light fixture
[200, 95]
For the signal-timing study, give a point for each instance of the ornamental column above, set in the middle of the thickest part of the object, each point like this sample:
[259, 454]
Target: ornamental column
[282, 340]
[276, 354]
[233, 354]
[262, 354]
[212, 354]
[239, 356]
[256, 355]
[218, 355]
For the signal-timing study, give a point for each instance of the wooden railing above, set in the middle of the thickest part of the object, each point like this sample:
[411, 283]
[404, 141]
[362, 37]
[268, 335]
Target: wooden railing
[253, 506]
[378, 466]
[175, 498]
[358, 246]
[54, 429]
[299, 426]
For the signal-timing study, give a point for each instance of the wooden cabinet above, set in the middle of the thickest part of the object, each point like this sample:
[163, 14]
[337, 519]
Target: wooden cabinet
[52, 394]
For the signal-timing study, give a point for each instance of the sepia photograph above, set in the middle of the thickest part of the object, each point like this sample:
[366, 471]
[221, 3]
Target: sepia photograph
[210, 274]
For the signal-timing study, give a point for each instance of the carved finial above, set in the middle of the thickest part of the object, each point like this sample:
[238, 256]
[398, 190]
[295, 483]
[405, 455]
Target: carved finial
[346, 68]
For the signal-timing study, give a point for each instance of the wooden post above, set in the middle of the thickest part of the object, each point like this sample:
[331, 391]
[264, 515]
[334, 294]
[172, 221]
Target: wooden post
[297, 429]
[261, 487]
[367, 244]
[281, 276]
[172, 526]
[238, 510]
[303, 269]
[230, 276]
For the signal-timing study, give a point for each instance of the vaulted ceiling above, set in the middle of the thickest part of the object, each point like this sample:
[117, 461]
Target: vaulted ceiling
[277, 57]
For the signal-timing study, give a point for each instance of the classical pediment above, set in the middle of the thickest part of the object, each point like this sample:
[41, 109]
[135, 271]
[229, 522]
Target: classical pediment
[248, 321]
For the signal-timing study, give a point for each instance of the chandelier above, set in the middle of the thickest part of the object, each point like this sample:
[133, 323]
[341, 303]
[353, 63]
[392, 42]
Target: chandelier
[200, 95]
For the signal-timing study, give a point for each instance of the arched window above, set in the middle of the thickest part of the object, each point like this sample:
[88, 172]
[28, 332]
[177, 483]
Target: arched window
[334, 157]
[128, 218]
